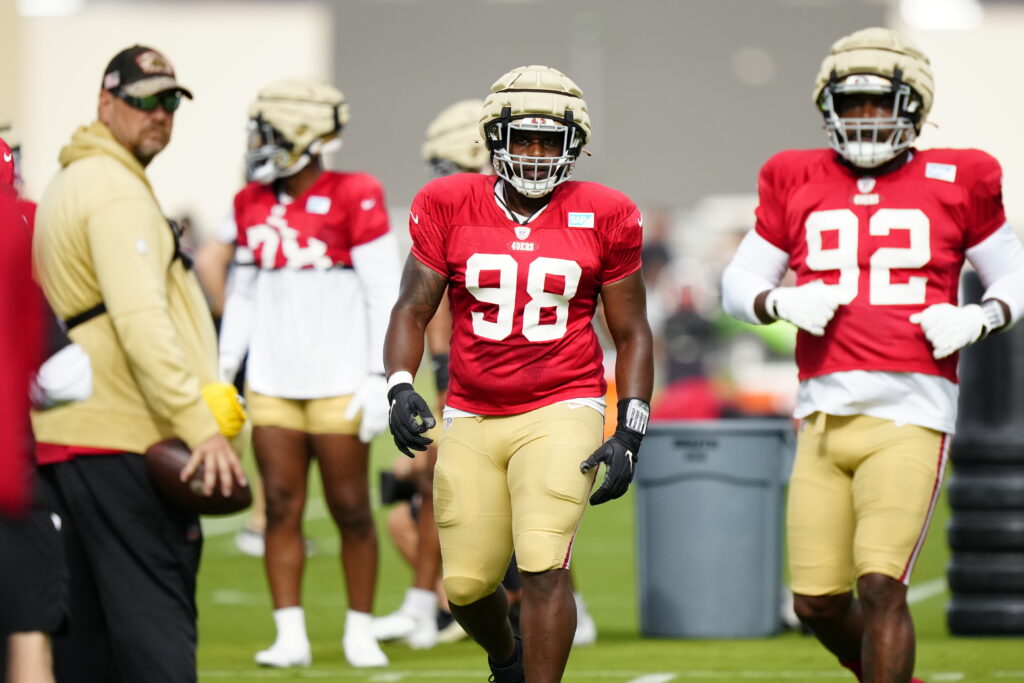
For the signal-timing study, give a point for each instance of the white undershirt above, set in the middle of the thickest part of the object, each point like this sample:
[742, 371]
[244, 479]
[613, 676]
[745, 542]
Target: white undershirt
[310, 333]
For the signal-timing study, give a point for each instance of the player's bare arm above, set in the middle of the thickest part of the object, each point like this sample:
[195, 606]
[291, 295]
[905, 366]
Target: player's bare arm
[625, 310]
[420, 293]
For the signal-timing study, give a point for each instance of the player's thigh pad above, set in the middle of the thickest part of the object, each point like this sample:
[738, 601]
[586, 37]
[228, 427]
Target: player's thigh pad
[472, 507]
[271, 411]
[819, 513]
[895, 487]
[327, 416]
[549, 493]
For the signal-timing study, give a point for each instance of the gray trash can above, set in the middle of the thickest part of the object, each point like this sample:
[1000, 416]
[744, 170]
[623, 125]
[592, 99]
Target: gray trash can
[709, 499]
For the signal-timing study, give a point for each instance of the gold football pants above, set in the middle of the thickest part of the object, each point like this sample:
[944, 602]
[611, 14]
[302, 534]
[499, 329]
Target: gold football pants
[310, 415]
[505, 483]
[860, 499]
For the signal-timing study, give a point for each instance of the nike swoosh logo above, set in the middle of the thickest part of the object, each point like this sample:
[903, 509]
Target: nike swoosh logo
[8, 157]
[414, 217]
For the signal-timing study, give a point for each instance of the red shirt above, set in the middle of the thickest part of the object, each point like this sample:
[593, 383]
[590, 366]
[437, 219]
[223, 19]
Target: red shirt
[522, 297]
[318, 229]
[21, 343]
[894, 245]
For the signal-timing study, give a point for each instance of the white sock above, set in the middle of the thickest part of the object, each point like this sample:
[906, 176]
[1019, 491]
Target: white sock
[291, 626]
[358, 623]
[578, 599]
[420, 602]
[359, 643]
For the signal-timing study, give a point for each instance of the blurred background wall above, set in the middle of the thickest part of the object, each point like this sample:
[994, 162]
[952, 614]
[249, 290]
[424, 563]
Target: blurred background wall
[688, 98]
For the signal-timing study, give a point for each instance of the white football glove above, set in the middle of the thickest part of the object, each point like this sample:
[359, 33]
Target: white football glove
[810, 307]
[371, 398]
[950, 328]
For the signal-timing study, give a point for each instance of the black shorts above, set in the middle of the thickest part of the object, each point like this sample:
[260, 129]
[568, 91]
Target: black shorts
[132, 559]
[33, 572]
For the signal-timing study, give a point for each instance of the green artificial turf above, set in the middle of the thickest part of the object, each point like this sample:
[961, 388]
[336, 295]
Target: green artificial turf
[235, 618]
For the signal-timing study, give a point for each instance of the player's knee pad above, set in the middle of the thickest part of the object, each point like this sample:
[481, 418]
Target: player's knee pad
[465, 590]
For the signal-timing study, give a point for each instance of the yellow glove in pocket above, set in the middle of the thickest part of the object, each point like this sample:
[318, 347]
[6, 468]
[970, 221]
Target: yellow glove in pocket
[226, 406]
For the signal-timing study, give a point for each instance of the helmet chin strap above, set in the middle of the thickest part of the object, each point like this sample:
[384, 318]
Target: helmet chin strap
[316, 148]
[299, 164]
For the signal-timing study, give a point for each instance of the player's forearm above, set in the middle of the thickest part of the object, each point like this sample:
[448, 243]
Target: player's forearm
[237, 323]
[756, 268]
[634, 364]
[377, 265]
[419, 294]
[439, 329]
[403, 345]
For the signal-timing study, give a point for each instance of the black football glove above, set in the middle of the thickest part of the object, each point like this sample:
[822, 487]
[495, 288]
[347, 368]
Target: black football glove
[408, 418]
[619, 452]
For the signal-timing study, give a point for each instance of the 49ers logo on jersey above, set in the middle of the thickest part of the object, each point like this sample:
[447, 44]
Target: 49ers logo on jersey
[275, 244]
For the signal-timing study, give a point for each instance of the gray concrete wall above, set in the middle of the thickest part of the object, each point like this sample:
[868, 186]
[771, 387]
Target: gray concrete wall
[686, 97]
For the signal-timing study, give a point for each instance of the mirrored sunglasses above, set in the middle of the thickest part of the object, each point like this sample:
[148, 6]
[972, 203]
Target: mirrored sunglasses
[168, 100]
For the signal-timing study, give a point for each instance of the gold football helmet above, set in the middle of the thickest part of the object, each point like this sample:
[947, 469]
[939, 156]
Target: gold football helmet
[874, 61]
[453, 142]
[535, 98]
[291, 121]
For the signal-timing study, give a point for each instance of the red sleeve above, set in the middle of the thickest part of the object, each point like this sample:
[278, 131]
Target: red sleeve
[428, 238]
[986, 214]
[770, 223]
[21, 343]
[622, 245]
[241, 200]
[369, 217]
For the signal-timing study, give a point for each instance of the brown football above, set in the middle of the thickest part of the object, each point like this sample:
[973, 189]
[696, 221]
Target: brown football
[164, 461]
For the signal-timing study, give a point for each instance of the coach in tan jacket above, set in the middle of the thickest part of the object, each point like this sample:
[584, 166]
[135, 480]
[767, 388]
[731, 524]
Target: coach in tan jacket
[110, 267]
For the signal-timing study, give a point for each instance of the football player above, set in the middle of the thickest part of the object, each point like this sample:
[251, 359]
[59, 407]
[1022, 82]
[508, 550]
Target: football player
[316, 275]
[876, 232]
[524, 255]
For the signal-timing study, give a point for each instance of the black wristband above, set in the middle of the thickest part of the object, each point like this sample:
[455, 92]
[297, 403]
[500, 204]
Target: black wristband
[393, 391]
[440, 361]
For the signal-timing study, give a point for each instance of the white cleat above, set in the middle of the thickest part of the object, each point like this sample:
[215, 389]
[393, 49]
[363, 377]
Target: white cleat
[586, 629]
[451, 633]
[362, 651]
[424, 636]
[393, 626]
[250, 542]
[284, 656]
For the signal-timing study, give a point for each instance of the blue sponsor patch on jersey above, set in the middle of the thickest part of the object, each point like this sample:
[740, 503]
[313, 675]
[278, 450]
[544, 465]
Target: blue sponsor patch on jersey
[579, 219]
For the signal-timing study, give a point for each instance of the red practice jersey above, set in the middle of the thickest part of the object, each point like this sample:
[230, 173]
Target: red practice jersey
[318, 229]
[893, 245]
[21, 346]
[522, 296]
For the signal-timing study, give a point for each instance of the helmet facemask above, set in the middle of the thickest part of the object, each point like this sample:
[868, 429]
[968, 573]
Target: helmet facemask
[534, 176]
[270, 153]
[871, 142]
